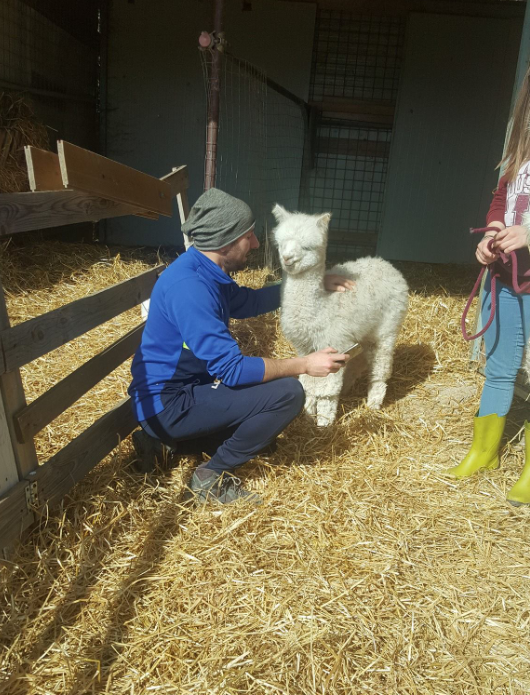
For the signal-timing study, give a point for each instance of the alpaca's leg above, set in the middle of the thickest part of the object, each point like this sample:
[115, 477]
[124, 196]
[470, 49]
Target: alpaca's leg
[327, 392]
[327, 407]
[380, 359]
[310, 398]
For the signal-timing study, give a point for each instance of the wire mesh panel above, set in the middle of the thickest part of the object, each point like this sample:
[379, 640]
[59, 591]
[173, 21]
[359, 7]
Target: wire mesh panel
[36, 53]
[354, 84]
[349, 176]
[356, 56]
[260, 141]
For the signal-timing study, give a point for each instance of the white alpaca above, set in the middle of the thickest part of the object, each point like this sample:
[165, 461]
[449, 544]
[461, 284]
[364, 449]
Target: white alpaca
[312, 318]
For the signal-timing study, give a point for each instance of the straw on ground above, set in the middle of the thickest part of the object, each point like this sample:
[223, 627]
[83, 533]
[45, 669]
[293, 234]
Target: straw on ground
[363, 572]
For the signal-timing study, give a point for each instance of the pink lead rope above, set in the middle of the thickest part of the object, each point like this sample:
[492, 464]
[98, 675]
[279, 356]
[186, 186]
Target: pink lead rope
[518, 288]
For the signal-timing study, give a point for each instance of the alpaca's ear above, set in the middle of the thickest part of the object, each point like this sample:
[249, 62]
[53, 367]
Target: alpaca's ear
[323, 221]
[279, 212]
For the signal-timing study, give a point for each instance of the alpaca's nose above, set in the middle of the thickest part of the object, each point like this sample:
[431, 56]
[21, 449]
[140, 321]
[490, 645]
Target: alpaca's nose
[288, 259]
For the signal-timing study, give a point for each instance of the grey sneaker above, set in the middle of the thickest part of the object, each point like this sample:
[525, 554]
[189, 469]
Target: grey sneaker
[150, 452]
[208, 486]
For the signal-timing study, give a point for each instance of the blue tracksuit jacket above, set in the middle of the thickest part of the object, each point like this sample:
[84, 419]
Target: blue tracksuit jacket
[186, 339]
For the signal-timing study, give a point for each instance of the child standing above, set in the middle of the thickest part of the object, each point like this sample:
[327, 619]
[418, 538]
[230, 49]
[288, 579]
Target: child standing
[509, 332]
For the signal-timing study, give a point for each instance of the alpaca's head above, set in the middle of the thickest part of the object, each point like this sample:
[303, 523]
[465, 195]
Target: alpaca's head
[301, 239]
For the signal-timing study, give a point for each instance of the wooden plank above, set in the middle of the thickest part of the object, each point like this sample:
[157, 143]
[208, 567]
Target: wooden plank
[25, 212]
[351, 147]
[27, 341]
[356, 106]
[44, 170]
[97, 175]
[13, 399]
[70, 465]
[377, 113]
[184, 211]
[8, 464]
[15, 517]
[184, 207]
[60, 473]
[376, 120]
[56, 400]
[178, 180]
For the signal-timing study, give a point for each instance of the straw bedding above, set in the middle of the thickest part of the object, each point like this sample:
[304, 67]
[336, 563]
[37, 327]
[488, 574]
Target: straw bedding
[364, 571]
[19, 126]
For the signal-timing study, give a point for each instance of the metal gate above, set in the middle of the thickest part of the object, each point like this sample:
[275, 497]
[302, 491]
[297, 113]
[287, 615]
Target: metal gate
[354, 85]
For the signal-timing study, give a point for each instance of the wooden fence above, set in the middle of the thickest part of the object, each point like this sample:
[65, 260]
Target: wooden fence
[72, 186]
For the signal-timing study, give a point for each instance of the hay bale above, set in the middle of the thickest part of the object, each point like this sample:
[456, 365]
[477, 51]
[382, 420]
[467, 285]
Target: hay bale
[364, 571]
[19, 126]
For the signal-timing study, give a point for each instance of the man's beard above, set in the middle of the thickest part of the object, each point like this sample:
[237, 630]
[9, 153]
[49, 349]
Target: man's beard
[232, 265]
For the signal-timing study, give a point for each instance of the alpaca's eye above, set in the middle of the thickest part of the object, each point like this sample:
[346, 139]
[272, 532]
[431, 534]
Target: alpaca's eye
[307, 248]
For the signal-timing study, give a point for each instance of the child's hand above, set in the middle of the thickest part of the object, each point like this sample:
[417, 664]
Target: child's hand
[483, 254]
[338, 283]
[511, 239]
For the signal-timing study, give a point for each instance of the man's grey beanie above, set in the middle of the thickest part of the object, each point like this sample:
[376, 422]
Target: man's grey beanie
[217, 219]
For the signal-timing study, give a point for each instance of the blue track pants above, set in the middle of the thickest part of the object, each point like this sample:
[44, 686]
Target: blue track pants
[250, 416]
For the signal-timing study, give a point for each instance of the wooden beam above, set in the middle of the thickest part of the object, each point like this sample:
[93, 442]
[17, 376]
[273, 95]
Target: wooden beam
[44, 173]
[352, 148]
[372, 113]
[51, 481]
[86, 171]
[15, 517]
[356, 106]
[12, 399]
[29, 340]
[40, 412]
[8, 464]
[184, 208]
[25, 212]
[70, 465]
[178, 180]
[44, 170]
[361, 120]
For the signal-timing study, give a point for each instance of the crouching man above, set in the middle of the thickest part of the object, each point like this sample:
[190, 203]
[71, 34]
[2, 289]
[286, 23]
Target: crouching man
[190, 379]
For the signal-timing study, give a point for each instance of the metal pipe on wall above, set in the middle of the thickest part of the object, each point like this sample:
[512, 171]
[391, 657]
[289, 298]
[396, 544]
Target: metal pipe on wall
[212, 129]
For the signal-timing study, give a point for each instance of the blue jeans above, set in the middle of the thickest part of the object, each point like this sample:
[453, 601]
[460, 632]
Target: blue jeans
[505, 341]
[247, 418]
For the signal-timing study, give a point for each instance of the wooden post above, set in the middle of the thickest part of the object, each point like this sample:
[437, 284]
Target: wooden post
[8, 464]
[13, 399]
[16, 460]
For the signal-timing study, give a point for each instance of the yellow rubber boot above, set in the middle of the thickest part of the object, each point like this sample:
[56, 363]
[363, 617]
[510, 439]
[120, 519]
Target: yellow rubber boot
[520, 492]
[484, 452]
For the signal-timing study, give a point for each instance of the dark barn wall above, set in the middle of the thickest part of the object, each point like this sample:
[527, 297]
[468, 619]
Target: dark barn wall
[156, 92]
[49, 53]
[452, 115]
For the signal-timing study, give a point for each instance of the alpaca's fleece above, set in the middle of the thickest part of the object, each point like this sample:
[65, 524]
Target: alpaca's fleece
[312, 318]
